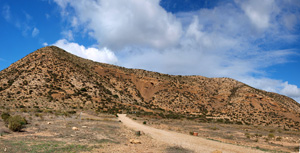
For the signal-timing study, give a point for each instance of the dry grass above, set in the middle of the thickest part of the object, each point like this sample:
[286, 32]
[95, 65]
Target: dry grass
[265, 138]
[96, 133]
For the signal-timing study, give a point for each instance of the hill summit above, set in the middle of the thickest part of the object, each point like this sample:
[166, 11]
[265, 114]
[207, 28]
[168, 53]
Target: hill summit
[53, 79]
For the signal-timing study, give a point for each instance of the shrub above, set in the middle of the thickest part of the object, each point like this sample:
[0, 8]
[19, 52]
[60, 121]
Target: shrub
[271, 135]
[248, 135]
[214, 128]
[5, 117]
[144, 122]
[16, 123]
[71, 112]
[278, 139]
[83, 90]
[272, 131]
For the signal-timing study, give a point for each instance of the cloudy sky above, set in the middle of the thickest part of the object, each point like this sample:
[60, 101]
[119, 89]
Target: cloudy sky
[254, 41]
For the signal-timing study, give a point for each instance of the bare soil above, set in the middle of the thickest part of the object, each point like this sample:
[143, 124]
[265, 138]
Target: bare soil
[196, 144]
[260, 137]
[48, 132]
[53, 132]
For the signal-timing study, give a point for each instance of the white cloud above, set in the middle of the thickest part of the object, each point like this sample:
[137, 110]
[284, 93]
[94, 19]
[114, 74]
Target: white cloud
[273, 85]
[35, 32]
[228, 40]
[45, 44]
[47, 16]
[117, 24]
[258, 11]
[6, 12]
[68, 35]
[100, 55]
[290, 90]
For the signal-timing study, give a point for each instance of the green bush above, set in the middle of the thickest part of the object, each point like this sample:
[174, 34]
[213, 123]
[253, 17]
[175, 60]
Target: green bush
[5, 117]
[16, 123]
[144, 122]
[271, 135]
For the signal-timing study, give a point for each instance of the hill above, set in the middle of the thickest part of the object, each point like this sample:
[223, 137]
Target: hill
[53, 79]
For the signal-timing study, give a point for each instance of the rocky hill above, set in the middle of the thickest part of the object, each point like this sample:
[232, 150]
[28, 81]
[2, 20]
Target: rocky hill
[52, 79]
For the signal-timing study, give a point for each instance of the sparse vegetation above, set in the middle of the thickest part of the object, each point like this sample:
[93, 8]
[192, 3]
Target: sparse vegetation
[5, 116]
[271, 136]
[214, 128]
[16, 123]
[278, 138]
[58, 83]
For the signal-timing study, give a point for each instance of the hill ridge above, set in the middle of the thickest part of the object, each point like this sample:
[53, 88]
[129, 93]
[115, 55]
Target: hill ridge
[51, 78]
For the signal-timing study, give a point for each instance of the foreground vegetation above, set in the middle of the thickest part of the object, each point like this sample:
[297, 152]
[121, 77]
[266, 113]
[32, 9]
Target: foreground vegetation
[46, 130]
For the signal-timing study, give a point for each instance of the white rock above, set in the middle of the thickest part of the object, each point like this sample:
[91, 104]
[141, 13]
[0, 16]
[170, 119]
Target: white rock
[134, 141]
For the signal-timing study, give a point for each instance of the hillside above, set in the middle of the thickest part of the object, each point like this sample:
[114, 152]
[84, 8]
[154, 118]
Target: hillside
[53, 79]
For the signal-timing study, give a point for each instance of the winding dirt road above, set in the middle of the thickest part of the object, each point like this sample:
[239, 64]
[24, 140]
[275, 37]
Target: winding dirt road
[194, 143]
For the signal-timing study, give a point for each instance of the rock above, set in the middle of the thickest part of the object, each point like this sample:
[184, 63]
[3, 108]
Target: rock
[195, 133]
[48, 122]
[84, 126]
[217, 151]
[75, 128]
[134, 141]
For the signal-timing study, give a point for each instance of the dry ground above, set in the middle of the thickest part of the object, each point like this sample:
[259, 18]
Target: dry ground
[259, 137]
[196, 144]
[96, 133]
[52, 132]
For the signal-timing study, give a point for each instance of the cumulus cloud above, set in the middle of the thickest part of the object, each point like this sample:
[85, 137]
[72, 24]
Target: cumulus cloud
[274, 85]
[100, 55]
[259, 12]
[35, 32]
[290, 90]
[237, 39]
[117, 24]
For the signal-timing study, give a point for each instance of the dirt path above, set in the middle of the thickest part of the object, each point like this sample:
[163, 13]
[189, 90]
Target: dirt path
[194, 143]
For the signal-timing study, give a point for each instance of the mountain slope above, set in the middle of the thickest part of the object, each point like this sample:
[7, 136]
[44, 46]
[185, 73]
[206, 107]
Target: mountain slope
[51, 78]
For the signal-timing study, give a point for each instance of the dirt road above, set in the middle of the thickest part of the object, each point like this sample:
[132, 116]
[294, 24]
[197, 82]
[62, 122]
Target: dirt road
[194, 143]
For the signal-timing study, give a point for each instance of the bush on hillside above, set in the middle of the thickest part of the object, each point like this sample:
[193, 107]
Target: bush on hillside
[5, 117]
[16, 123]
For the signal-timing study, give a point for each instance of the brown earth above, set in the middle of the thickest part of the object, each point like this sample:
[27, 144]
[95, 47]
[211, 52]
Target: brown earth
[196, 144]
[265, 138]
[93, 133]
[53, 132]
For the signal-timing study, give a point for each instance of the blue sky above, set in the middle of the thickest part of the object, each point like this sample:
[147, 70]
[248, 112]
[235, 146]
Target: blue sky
[253, 41]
